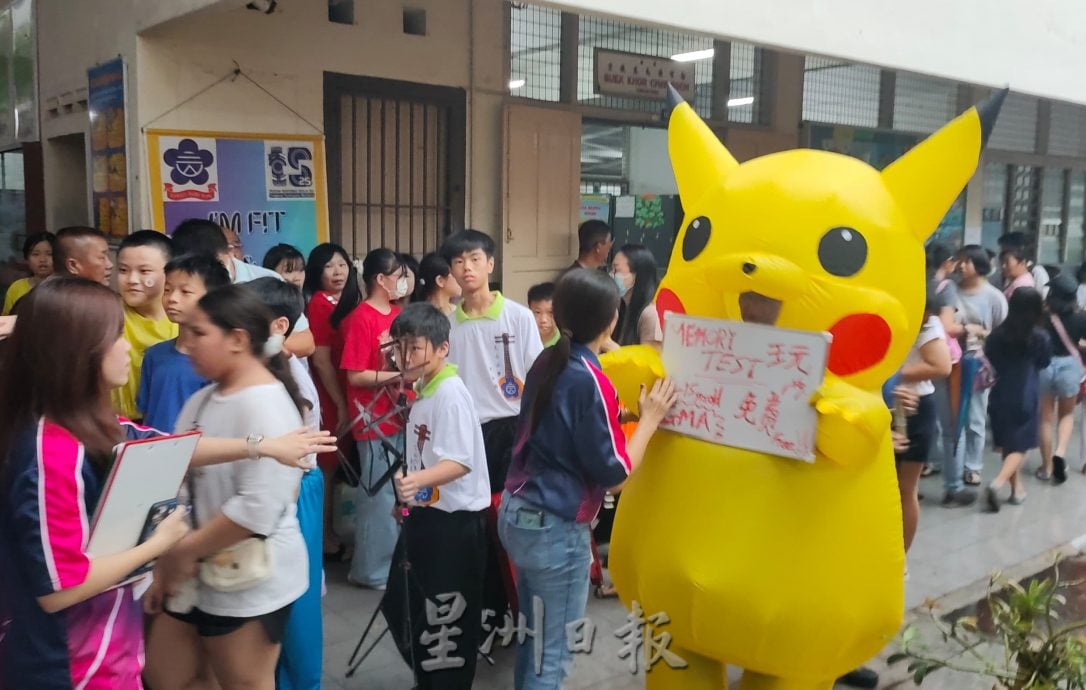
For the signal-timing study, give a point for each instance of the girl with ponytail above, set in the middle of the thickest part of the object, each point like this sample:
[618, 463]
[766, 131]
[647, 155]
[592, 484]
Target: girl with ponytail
[252, 395]
[569, 451]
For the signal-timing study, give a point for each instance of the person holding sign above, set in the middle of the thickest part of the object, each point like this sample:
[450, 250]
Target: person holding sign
[569, 450]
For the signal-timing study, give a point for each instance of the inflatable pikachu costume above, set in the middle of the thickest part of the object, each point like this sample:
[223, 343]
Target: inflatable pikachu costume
[792, 571]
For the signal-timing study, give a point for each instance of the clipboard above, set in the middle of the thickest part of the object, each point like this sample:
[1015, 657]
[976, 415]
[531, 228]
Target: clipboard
[147, 474]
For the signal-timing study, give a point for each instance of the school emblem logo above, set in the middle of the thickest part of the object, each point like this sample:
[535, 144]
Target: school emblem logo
[189, 165]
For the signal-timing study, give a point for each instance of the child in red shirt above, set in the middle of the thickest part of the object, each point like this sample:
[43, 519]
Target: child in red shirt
[370, 380]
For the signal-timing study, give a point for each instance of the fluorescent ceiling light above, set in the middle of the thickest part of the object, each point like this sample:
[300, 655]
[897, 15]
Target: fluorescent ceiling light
[736, 102]
[516, 83]
[694, 56]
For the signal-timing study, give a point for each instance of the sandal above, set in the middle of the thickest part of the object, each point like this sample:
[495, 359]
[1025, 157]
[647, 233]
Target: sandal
[1042, 474]
[928, 471]
[971, 477]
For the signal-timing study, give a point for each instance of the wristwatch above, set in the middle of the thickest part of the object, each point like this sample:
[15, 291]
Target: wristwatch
[251, 442]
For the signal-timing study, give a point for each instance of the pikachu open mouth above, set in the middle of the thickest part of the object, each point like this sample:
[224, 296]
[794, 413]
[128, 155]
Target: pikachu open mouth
[755, 307]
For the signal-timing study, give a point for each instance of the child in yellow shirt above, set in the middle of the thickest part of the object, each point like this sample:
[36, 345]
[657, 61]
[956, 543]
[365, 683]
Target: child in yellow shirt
[141, 278]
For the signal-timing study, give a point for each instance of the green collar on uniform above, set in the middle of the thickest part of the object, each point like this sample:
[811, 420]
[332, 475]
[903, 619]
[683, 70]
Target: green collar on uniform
[554, 338]
[430, 388]
[493, 311]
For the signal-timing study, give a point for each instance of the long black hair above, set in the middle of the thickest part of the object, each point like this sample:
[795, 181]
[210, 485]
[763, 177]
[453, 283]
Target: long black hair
[236, 307]
[1024, 314]
[585, 304]
[432, 267]
[314, 273]
[379, 262]
[643, 265]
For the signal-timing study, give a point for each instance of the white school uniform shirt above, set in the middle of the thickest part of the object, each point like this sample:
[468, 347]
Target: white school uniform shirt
[494, 352]
[443, 425]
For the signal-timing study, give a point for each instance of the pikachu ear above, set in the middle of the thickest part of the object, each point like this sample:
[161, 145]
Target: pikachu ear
[926, 180]
[698, 158]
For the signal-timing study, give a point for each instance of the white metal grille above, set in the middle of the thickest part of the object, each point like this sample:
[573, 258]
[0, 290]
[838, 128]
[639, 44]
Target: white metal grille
[1067, 130]
[745, 94]
[994, 209]
[534, 53]
[611, 34]
[1016, 127]
[840, 92]
[923, 104]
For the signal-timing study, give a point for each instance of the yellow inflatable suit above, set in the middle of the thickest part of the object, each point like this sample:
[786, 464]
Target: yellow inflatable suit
[792, 571]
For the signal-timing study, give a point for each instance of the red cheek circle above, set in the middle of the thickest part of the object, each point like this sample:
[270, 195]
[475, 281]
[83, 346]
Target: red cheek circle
[667, 301]
[859, 341]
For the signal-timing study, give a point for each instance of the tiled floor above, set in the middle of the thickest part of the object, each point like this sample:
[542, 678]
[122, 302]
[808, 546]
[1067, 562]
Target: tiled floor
[954, 548]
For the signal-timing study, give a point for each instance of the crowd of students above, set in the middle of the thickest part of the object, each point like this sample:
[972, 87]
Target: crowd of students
[510, 435]
[509, 449]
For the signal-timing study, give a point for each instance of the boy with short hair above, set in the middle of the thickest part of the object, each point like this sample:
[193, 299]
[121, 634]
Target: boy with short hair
[494, 342]
[540, 301]
[300, 658]
[167, 378]
[448, 490]
[141, 278]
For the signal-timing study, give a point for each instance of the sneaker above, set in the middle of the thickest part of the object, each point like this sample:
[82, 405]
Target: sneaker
[862, 677]
[959, 499]
[1059, 469]
[380, 587]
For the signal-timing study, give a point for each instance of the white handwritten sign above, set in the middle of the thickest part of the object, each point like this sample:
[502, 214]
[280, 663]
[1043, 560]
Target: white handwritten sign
[745, 385]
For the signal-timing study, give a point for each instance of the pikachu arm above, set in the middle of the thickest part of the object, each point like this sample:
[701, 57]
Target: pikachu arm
[852, 423]
[631, 367]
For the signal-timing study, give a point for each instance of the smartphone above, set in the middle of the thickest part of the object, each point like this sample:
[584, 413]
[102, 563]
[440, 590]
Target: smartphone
[155, 515]
[532, 519]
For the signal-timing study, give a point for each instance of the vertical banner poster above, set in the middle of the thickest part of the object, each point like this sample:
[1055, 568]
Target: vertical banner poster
[270, 189]
[108, 149]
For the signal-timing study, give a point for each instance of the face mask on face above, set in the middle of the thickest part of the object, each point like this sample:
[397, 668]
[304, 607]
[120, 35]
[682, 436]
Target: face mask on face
[620, 283]
[401, 287]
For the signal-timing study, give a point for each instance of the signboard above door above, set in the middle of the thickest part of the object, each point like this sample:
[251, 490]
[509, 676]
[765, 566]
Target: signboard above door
[641, 76]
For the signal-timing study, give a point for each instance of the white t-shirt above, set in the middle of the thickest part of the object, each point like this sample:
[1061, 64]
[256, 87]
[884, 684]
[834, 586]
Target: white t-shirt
[259, 495]
[931, 330]
[243, 273]
[442, 425]
[494, 353]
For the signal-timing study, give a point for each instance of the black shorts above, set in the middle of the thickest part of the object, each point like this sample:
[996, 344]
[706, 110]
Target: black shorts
[210, 625]
[920, 428]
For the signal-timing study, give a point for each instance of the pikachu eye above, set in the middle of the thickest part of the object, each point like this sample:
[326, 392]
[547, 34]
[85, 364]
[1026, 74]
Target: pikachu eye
[696, 237]
[842, 252]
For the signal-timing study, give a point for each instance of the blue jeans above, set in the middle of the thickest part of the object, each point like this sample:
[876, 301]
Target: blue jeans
[300, 659]
[975, 435]
[375, 530]
[552, 562]
[942, 448]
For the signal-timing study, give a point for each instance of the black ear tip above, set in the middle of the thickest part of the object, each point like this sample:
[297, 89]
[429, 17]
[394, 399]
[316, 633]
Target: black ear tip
[674, 100]
[988, 111]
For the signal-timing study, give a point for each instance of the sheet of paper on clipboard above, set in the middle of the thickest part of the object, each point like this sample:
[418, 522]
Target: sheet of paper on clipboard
[146, 474]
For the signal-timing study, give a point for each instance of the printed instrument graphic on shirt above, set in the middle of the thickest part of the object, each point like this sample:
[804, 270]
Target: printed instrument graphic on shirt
[745, 385]
[430, 494]
[511, 387]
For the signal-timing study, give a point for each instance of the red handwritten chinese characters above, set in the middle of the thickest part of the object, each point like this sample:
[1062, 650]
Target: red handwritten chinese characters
[744, 385]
